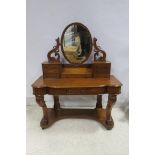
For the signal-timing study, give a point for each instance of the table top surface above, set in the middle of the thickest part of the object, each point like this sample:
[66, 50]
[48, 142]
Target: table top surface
[76, 82]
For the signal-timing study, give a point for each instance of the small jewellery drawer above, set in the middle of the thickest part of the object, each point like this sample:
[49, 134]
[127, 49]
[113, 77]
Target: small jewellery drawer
[76, 91]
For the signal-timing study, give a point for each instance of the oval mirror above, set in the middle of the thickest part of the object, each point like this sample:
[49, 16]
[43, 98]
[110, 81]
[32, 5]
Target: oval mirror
[76, 43]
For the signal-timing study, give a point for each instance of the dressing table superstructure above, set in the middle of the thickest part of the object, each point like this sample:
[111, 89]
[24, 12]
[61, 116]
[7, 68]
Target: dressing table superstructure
[76, 78]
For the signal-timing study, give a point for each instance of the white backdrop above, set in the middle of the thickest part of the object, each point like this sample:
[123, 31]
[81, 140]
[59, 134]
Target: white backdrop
[107, 20]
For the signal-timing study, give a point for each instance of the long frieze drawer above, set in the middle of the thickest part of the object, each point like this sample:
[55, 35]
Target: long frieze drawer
[114, 90]
[76, 91]
[84, 91]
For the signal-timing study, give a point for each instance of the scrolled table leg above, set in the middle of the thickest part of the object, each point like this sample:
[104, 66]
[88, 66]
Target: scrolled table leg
[111, 101]
[40, 101]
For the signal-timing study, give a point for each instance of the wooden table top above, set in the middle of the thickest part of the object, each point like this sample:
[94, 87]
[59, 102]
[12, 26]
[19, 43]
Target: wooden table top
[76, 82]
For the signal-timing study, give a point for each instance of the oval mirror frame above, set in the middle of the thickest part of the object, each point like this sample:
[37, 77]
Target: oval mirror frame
[62, 39]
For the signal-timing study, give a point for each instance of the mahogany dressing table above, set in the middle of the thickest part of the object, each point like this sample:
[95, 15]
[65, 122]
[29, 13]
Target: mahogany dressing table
[76, 78]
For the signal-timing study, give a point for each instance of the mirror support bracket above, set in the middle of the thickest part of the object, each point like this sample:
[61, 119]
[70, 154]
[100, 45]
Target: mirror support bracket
[99, 55]
[55, 51]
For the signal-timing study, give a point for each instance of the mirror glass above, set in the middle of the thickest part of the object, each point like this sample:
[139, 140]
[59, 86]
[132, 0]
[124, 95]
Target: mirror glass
[76, 43]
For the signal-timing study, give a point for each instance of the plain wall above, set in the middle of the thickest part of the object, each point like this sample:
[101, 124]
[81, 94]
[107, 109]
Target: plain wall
[107, 20]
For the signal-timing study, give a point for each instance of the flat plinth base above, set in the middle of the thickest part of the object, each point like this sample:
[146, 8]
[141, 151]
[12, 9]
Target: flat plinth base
[98, 114]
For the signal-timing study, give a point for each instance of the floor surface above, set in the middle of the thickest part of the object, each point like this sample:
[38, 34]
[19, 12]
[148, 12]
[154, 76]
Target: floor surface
[77, 136]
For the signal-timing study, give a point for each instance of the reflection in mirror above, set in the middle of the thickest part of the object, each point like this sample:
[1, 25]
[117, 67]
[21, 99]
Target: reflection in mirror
[76, 43]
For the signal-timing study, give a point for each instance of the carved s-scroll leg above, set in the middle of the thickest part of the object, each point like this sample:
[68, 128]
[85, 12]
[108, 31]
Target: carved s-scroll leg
[99, 101]
[111, 101]
[56, 102]
[41, 103]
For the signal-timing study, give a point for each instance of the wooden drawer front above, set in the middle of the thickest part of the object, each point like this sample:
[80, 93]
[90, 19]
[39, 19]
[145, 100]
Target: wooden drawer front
[76, 91]
[56, 91]
[51, 70]
[114, 90]
[101, 69]
[84, 91]
[51, 75]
